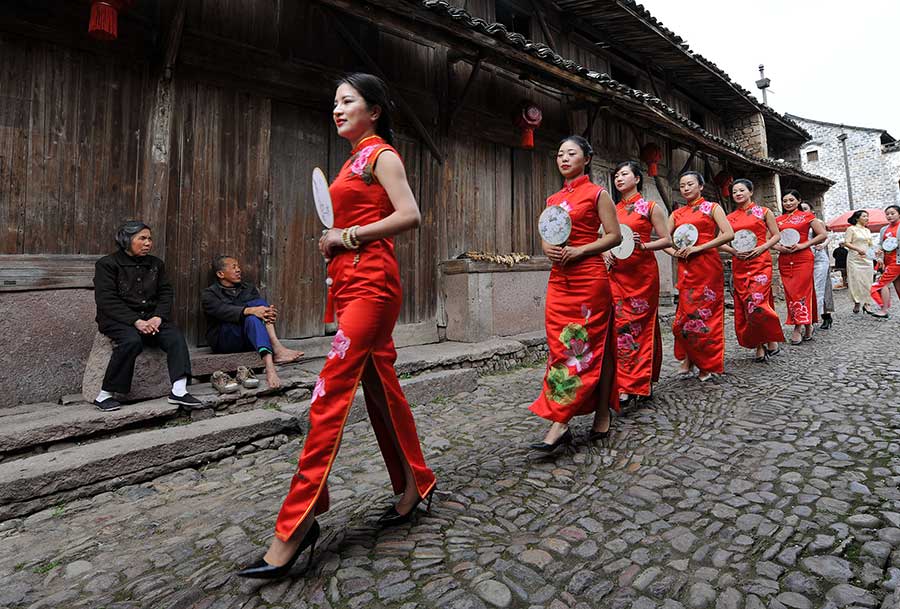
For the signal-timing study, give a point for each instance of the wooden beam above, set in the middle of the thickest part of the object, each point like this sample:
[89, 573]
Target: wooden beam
[21, 272]
[465, 92]
[543, 23]
[673, 180]
[373, 66]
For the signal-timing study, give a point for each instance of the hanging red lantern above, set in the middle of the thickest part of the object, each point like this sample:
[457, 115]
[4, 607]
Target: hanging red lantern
[104, 24]
[528, 119]
[651, 155]
[723, 181]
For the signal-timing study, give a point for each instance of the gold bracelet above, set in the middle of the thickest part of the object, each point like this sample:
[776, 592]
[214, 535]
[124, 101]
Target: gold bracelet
[347, 240]
[353, 238]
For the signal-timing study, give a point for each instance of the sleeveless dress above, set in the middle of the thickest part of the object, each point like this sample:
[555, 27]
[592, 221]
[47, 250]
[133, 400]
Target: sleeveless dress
[578, 317]
[860, 269]
[797, 272]
[366, 295]
[755, 319]
[635, 288]
[891, 265]
[699, 325]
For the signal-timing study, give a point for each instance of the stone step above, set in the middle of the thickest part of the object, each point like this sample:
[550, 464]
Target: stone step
[38, 481]
[54, 423]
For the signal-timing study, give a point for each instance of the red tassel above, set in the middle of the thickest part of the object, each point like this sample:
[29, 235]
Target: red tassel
[527, 138]
[653, 169]
[104, 21]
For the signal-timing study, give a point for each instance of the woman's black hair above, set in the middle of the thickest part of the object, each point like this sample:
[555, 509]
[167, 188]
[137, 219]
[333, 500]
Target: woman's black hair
[635, 168]
[802, 203]
[127, 232]
[375, 93]
[855, 216]
[743, 181]
[696, 174]
[586, 148]
[793, 193]
[894, 207]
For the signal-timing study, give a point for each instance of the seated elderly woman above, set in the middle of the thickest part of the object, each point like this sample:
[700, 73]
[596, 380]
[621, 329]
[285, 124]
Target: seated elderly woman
[134, 309]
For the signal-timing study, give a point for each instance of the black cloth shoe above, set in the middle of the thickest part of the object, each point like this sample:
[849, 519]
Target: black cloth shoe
[187, 400]
[107, 405]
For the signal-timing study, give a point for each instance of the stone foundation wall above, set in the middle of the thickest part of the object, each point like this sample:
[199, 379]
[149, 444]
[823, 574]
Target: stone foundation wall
[749, 132]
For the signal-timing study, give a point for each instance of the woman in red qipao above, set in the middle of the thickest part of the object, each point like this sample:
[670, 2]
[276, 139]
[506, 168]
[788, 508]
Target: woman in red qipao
[699, 325]
[795, 263]
[635, 287]
[755, 321]
[372, 197]
[581, 368]
[881, 290]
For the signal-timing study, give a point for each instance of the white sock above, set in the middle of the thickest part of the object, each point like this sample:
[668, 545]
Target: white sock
[103, 395]
[179, 387]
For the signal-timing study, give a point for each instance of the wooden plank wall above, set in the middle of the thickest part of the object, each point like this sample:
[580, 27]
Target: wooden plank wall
[71, 134]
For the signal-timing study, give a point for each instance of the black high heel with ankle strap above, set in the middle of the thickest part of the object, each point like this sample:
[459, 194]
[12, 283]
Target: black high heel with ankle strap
[543, 447]
[263, 570]
[392, 517]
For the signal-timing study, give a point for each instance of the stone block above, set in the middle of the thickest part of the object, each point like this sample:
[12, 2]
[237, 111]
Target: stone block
[151, 375]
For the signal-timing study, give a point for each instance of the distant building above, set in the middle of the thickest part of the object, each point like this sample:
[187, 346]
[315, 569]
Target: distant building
[873, 158]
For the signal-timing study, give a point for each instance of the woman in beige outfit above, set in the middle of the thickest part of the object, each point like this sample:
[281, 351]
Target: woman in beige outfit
[858, 240]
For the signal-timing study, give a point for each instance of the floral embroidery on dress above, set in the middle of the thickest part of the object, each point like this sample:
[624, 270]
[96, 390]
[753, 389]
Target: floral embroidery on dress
[704, 313]
[578, 354]
[339, 345]
[758, 211]
[708, 294]
[639, 305]
[625, 344]
[573, 332]
[359, 164]
[585, 312]
[642, 207]
[761, 279]
[565, 205]
[562, 386]
[696, 326]
[800, 312]
[318, 391]
[705, 208]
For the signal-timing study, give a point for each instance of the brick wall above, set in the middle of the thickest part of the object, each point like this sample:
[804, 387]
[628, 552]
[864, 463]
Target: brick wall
[871, 174]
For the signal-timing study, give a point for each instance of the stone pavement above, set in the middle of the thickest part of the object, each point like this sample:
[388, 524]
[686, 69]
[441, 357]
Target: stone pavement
[772, 486]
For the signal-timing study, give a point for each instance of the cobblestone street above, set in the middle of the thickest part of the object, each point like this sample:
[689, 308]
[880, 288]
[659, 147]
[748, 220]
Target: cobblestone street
[772, 486]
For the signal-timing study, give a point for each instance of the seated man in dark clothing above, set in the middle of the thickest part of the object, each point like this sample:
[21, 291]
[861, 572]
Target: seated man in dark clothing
[239, 319]
[134, 307]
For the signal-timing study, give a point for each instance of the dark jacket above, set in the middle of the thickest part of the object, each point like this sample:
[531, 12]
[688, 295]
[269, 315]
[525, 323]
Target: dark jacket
[225, 305]
[129, 288]
[840, 257]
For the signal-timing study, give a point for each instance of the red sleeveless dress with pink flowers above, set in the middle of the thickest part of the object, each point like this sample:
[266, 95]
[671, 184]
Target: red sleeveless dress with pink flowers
[635, 288]
[578, 317]
[796, 271]
[699, 325]
[367, 296]
[755, 319]
[891, 266]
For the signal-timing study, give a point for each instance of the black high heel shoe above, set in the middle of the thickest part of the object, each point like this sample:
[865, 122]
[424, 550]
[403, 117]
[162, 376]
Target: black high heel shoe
[263, 570]
[773, 352]
[543, 447]
[392, 517]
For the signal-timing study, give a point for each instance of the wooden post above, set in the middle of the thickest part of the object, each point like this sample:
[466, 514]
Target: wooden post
[465, 92]
[543, 22]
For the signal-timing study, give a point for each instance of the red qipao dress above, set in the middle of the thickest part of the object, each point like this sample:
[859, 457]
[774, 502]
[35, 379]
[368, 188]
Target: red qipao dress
[366, 295]
[699, 325]
[891, 265]
[797, 271]
[635, 288]
[578, 317]
[755, 319]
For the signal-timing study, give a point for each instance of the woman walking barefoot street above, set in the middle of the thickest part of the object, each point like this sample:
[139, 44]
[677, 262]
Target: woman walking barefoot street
[635, 287]
[756, 323]
[796, 263]
[373, 201]
[698, 229]
[881, 291]
[821, 277]
[858, 241]
[581, 370]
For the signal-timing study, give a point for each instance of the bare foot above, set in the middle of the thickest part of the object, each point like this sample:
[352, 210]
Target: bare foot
[286, 356]
[555, 432]
[686, 367]
[272, 379]
[407, 501]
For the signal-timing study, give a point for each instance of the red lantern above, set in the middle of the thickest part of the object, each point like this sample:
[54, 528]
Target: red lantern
[104, 23]
[528, 119]
[724, 180]
[651, 155]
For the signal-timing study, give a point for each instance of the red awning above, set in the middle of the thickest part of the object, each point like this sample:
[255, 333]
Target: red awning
[876, 220]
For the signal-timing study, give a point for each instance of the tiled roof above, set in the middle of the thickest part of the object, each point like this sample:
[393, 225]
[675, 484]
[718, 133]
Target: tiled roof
[541, 51]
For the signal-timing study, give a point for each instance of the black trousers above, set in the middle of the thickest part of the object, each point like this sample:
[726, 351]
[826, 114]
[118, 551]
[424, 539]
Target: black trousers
[128, 344]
